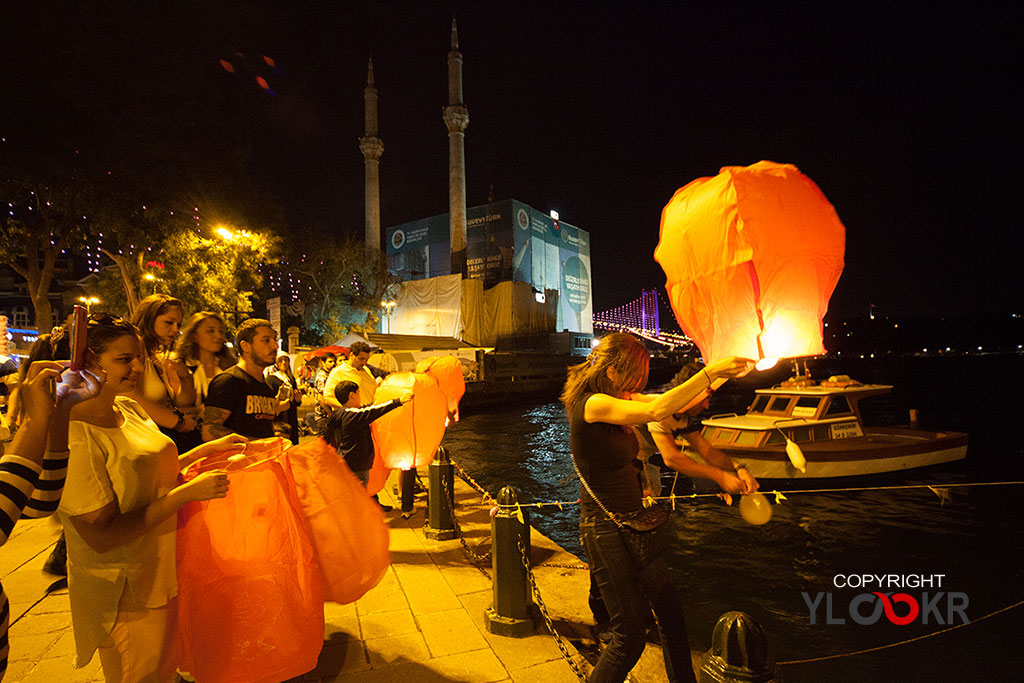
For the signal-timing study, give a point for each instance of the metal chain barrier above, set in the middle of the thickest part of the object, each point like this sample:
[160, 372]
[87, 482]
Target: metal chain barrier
[553, 565]
[475, 556]
[547, 617]
[472, 482]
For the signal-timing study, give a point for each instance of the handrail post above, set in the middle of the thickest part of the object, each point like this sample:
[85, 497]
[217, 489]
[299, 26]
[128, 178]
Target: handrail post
[441, 498]
[510, 613]
[739, 653]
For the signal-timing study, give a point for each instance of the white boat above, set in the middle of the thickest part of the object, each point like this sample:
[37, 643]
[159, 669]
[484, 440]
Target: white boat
[823, 420]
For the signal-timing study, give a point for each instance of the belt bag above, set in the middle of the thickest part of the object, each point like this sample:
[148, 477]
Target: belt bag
[639, 530]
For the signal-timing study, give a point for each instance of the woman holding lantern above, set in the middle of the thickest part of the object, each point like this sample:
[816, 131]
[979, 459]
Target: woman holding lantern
[602, 402]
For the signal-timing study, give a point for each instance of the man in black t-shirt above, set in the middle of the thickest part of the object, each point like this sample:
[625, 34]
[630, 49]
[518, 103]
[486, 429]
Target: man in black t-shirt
[238, 400]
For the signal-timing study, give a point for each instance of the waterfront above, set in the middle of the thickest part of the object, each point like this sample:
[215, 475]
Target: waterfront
[721, 563]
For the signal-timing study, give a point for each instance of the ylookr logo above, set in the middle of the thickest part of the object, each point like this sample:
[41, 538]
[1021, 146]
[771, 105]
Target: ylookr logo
[927, 607]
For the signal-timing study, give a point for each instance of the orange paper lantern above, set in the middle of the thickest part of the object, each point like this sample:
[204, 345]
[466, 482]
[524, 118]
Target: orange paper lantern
[447, 370]
[408, 436]
[751, 257]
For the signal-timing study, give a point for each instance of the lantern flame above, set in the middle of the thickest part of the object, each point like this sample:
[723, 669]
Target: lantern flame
[766, 364]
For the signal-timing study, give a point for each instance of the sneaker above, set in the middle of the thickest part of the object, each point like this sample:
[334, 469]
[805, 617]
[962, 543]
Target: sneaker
[57, 562]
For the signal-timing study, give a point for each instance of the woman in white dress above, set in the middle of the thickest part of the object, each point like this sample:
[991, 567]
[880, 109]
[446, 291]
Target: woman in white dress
[119, 512]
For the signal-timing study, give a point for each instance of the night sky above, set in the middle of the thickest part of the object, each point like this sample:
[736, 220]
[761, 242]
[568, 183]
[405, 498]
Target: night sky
[905, 115]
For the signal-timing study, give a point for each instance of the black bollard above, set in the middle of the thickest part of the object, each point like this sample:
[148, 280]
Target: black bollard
[441, 498]
[739, 652]
[407, 482]
[510, 614]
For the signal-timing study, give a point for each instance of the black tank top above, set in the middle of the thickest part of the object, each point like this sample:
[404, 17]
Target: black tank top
[606, 456]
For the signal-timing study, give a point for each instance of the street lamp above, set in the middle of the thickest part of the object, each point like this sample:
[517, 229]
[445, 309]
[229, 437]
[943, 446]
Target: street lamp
[388, 305]
[88, 301]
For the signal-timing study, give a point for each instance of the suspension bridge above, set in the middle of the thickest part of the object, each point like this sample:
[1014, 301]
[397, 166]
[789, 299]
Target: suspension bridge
[642, 317]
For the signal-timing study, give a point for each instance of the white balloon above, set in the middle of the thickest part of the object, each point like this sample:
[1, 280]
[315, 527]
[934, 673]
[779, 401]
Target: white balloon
[755, 509]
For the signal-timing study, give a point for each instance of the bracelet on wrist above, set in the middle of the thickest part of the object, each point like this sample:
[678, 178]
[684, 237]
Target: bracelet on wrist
[181, 421]
[739, 467]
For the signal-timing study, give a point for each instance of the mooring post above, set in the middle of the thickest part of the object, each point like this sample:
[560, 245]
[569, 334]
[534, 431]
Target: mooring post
[739, 652]
[407, 483]
[441, 498]
[510, 613]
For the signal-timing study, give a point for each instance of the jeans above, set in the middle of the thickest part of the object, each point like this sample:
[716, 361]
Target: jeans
[630, 594]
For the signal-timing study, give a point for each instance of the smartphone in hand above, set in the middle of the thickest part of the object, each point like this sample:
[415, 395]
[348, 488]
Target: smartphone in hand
[79, 328]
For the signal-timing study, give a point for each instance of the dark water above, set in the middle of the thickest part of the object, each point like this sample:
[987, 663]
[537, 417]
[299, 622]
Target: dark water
[976, 540]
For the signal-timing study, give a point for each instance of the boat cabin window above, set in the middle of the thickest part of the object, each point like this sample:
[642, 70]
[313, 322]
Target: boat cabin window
[839, 406]
[808, 402]
[821, 432]
[806, 406]
[774, 437]
[800, 434]
[747, 437]
[778, 404]
[759, 404]
[724, 435]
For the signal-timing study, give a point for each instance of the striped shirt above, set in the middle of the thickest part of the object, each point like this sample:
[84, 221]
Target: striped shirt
[28, 490]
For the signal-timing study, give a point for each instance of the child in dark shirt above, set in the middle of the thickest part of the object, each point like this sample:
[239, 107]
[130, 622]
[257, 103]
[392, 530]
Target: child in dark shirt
[348, 428]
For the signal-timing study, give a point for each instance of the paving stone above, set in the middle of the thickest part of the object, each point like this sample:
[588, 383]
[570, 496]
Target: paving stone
[340, 654]
[547, 672]
[385, 624]
[450, 632]
[59, 669]
[426, 589]
[341, 619]
[32, 624]
[480, 666]
[386, 596]
[31, 647]
[385, 651]
[514, 653]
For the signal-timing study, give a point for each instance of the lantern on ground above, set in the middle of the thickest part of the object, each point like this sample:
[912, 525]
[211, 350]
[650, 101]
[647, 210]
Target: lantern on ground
[751, 257]
[447, 370]
[408, 436]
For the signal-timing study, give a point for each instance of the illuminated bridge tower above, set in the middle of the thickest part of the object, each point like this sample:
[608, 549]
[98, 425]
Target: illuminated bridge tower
[649, 321]
[372, 148]
[456, 118]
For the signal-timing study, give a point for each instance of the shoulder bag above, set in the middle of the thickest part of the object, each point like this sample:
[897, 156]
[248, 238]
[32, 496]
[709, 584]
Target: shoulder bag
[639, 530]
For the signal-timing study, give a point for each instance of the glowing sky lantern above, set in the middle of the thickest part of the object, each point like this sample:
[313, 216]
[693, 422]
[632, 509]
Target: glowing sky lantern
[447, 370]
[751, 257]
[408, 436]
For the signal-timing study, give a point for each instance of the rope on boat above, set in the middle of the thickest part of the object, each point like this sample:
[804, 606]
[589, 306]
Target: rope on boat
[902, 642]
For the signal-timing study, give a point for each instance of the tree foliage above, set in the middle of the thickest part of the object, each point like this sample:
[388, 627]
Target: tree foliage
[46, 214]
[346, 285]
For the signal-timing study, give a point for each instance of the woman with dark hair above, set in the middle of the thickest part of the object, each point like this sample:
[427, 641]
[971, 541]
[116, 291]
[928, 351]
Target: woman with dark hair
[32, 473]
[166, 389]
[602, 400]
[120, 513]
[203, 349]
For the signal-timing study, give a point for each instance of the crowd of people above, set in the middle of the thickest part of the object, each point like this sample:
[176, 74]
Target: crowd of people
[103, 447]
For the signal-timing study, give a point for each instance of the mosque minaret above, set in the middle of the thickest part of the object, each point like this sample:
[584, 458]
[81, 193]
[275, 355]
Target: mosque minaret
[372, 148]
[456, 118]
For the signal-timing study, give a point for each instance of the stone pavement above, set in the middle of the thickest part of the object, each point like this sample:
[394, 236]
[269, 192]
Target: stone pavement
[423, 622]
